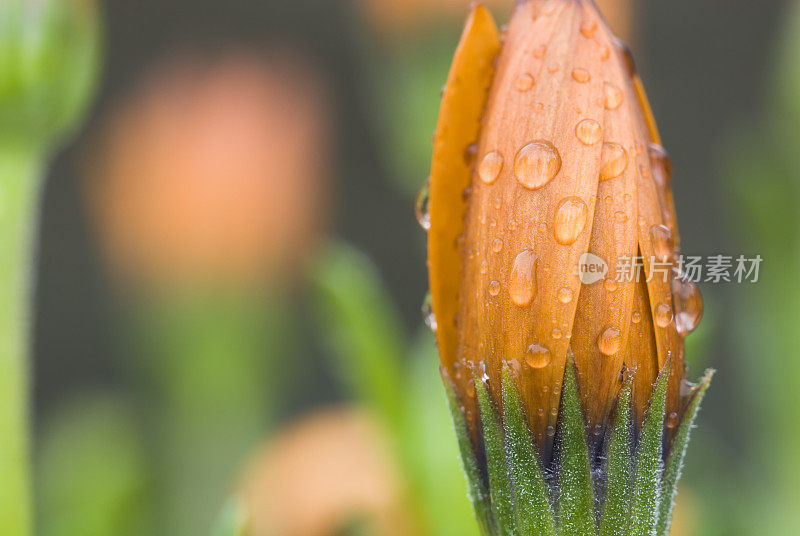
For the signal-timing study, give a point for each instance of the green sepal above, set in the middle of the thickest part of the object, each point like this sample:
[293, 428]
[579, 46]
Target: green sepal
[478, 494]
[533, 510]
[499, 478]
[576, 492]
[619, 470]
[647, 480]
[672, 471]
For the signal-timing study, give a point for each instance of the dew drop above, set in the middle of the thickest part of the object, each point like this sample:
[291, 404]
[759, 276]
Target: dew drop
[537, 356]
[672, 420]
[589, 131]
[605, 53]
[539, 51]
[551, 431]
[662, 242]
[556, 333]
[484, 267]
[610, 285]
[522, 282]
[494, 288]
[470, 152]
[687, 303]
[427, 313]
[497, 245]
[661, 163]
[490, 167]
[524, 82]
[662, 315]
[570, 219]
[610, 341]
[620, 216]
[614, 161]
[537, 164]
[581, 75]
[588, 28]
[636, 318]
[565, 295]
[613, 96]
[421, 205]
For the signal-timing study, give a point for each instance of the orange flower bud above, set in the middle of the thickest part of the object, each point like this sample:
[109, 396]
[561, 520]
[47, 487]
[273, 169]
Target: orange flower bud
[566, 160]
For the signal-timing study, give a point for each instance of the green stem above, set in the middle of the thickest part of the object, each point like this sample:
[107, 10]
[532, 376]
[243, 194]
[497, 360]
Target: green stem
[19, 188]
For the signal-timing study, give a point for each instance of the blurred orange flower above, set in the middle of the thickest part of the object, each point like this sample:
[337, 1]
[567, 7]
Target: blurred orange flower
[322, 474]
[214, 171]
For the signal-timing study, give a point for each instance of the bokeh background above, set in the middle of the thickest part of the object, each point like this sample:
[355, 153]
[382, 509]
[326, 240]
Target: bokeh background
[228, 253]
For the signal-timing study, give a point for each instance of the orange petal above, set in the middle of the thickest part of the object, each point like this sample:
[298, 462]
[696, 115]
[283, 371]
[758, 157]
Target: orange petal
[463, 102]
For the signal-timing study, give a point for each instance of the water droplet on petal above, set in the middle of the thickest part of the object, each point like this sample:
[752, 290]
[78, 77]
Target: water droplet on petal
[556, 333]
[497, 245]
[661, 163]
[610, 341]
[522, 282]
[589, 131]
[524, 82]
[614, 161]
[565, 295]
[427, 313]
[494, 288]
[662, 242]
[662, 315]
[539, 51]
[537, 164]
[613, 96]
[688, 304]
[470, 152]
[421, 205]
[490, 167]
[537, 356]
[605, 53]
[610, 285]
[636, 318]
[570, 219]
[581, 75]
[588, 28]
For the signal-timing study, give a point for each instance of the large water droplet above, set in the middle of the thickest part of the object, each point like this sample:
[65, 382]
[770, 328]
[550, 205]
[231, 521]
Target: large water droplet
[570, 219]
[427, 312]
[662, 314]
[537, 356]
[537, 164]
[661, 164]
[613, 96]
[614, 161]
[522, 282]
[662, 242]
[589, 131]
[610, 341]
[490, 167]
[524, 82]
[581, 75]
[421, 205]
[687, 303]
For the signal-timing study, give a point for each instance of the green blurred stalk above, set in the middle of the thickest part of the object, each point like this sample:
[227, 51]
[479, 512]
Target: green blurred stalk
[19, 186]
[209, 363]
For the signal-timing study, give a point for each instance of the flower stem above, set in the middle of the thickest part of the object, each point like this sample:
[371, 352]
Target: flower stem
[19, 187]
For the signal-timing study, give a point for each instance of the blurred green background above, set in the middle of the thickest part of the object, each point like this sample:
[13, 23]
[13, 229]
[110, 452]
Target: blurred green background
[183, 334]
